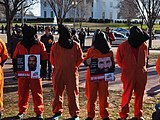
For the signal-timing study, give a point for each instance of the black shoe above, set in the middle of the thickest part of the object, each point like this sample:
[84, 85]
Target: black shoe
[44, 78]
[89, 118]
[39, 117]
[0, 114]
[14, 78]
[121, 119]
[49, 78]
[137, 118]
[56, 116]
[106, 118]
[19, 116]
[74, 118]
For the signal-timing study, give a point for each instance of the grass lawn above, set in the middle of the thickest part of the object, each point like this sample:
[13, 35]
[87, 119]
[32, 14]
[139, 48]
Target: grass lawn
[11, 109]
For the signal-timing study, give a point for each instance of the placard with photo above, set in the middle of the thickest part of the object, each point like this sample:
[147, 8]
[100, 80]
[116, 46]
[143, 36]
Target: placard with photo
[28, 66]
[102, 69]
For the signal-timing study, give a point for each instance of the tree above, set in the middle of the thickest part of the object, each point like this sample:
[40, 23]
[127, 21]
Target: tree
[83, 10]
[149, 10]
[128, 10]
[62, 7]
[11, 7]
[2, 12]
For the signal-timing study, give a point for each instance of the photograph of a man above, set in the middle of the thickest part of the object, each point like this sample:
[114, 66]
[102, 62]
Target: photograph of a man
[105, 65]
[32, 63]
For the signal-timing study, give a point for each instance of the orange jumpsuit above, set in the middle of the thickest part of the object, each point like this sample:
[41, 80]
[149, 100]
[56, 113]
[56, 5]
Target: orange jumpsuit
[158, 66]
[3, 57]
[134, 77]
[93, 87]
[24, 84]
[65, 75]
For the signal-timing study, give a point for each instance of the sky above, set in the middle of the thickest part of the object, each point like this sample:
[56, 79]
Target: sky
[36, 9]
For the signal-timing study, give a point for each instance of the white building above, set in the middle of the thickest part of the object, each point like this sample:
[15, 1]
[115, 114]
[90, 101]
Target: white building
[83, 10]
[96, 9]
[46, 10]
[105, 9]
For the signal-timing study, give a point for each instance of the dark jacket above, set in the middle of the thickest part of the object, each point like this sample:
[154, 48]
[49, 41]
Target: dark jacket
[82, 35]
[14, 40]
[48, 41]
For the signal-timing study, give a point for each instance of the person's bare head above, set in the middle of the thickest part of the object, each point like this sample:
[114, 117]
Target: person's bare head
[108, 29]
[47, 30]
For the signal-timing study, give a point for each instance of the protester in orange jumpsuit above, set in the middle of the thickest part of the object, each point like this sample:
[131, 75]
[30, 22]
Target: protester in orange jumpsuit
[100, 49]
[158, 66]
[30, 45]
[3, 58]
[131, 57]
[65, 56]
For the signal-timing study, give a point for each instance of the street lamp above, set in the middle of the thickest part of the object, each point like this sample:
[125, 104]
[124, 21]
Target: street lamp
[74, 3]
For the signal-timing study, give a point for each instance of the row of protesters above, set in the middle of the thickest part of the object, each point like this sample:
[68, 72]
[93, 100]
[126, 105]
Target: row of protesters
[136, 51]
[48, 41]
[41, 28]
[66, 56]
[65, 74]
[30, 45]
[131, 57]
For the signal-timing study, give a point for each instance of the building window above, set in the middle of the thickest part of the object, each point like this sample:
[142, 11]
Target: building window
[111, 4]
[103, 15]
[103, 6]
[118, 16]
[51, 14]
[45, 4]
[111, 15]
[45, 14]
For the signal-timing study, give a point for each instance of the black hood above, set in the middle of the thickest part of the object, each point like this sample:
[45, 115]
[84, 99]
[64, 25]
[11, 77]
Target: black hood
[64, 40]
[29, 34]
[101, 42]
[137, 37]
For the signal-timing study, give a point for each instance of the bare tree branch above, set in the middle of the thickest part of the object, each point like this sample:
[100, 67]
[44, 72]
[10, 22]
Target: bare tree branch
[11, 8]
[62, 7]
[152, 9]
[128, 10]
